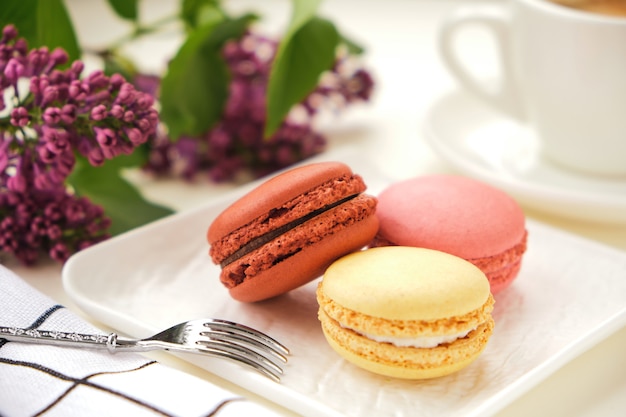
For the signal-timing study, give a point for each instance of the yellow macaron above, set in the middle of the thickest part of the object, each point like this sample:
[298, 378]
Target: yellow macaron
[406, 312]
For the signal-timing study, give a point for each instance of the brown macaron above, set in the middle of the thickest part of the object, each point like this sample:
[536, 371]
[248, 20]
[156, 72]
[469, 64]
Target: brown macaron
[289, 229]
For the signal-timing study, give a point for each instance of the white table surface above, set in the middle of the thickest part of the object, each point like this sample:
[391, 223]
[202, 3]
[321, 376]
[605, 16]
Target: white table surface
[401, 53]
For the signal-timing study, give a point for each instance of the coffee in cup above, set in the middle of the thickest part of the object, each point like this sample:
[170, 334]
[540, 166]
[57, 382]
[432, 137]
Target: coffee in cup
[607, 7]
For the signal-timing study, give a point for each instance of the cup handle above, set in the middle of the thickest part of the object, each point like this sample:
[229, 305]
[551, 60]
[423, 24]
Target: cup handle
[505, 97]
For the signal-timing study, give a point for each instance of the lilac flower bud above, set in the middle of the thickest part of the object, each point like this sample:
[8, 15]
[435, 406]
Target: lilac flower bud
[38, 225]
[97, 80]
[58, 78]
[153, 117]
[43, 182]
[110, 153]
[359, 86]
[78, 91]
[4, 162]
[144, 125]
[33, 239]
[91, 209]
[53, 212]
[7, 224]
[54, 232]
[135, 136]
[117, 111]
[55, 140]
[219, 139]
[117, 81]
[93, 228]
[74, 212]
[45, 154]
[50, 94]
[145, 101]
[9, 32]
[21, 46]
[98, 97]
[35, 85]
[59, 252]
[128, 116]
[125, 95]
[77, 67]
[106, 137]
[38, 59]
[56, 177]
[65, 163]
[13, 71]
[8, 242]
[95, 157]
[59, 56]
[17, 183]
[230, 50]
[68, 114]
[19, 117]
[52, 116]
[99, 112]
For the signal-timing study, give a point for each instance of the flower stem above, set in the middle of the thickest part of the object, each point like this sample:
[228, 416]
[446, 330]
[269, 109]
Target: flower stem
[139, 30]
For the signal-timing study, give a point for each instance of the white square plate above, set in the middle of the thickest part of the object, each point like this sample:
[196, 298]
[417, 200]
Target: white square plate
[570, 294]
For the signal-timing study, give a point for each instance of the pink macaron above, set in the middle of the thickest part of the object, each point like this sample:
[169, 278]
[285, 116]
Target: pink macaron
[457, 215]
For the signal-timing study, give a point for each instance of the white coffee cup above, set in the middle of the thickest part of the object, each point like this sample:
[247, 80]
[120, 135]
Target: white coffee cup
[563, 72]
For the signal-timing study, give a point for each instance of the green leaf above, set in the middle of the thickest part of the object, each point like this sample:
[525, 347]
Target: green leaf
[121, 201]
[195, 87]
[20, 14]
[126, 9]
[54, 28]
[197, 13]
[300, 60]
[303, 11]
[353, 47]
[42, 23]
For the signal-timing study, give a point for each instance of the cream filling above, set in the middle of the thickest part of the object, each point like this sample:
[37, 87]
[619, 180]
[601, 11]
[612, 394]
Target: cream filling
[415, 342]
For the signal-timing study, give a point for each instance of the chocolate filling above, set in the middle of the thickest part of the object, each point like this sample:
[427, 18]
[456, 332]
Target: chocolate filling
[271, 235]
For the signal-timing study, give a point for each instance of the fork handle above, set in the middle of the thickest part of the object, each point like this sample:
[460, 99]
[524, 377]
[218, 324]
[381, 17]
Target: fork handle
[53, 337]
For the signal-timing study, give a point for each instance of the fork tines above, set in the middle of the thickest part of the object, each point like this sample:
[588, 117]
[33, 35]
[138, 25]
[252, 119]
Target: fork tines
[246, 345]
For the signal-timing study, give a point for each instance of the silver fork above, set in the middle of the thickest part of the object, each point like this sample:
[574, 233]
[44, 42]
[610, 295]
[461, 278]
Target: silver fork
[212, 337]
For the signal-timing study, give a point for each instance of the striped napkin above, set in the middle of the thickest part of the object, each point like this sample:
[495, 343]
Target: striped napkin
[56, 381]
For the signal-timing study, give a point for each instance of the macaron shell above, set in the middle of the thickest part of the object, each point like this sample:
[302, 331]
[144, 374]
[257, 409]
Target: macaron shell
[272, 193]
[502, 268]
[337, 220]
[381, 327]
[453, 214]
[285, 213]
[405, 362]
[502, 278]
[406, 283]
[307, 264]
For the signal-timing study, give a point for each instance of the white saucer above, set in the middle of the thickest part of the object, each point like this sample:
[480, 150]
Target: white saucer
[483, 144]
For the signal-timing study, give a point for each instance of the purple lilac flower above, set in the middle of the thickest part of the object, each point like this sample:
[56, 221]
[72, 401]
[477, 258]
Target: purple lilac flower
[49, 221]
[52, 114]
[236, 143]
